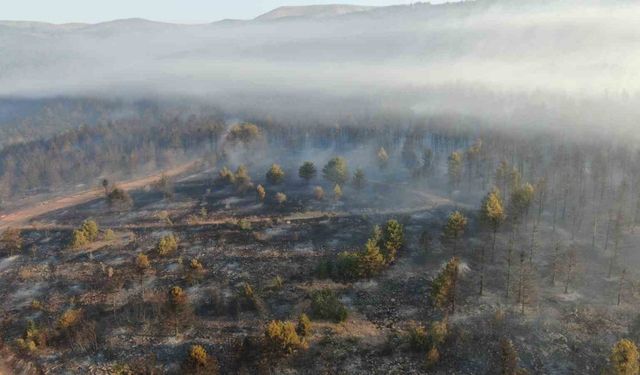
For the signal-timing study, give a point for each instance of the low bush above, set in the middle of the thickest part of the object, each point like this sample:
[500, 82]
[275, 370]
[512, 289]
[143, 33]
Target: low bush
[326, 305]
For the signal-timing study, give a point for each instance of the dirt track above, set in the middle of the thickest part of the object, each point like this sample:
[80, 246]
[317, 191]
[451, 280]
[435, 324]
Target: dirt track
[23, 215]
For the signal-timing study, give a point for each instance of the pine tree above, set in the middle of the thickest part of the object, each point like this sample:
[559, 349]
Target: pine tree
[454, 228]
[624, 358]
[275, 175]
[371, 261]
[337, 192]
[492, 214]
[359, 180]
[260, 193]
[443, 288]
[336, 171]
[392, 240]
[383, 158]
[307, 171]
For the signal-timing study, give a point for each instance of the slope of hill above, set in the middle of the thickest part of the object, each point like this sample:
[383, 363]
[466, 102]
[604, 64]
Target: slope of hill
[312, 11]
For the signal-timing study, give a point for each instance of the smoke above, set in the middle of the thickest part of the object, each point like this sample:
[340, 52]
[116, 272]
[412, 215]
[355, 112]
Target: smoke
[501, 61]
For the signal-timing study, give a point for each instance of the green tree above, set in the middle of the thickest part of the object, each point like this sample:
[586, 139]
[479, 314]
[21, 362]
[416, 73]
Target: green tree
[454, 228]
[371, 260]
[392, 240]
[624, 358]
[275, 174]
[521, 199]
[492, 214]
[359, 179]
[336, 171]
[307, 171]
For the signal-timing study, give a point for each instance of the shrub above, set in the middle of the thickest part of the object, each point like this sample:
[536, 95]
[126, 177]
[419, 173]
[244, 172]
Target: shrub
[248, 300]
[304, 325]
[69, 318]
[167, 245]
[78, 239]
[119, 197]
[326, 305]
[142, 262]
[90, 229]
[195, 265]
[244, 224]
[439, 332]
[347, 266]
[432, 357]
[281, 337]
[200, 362]
[109, 235]
[324, 269]
[32, 338]
[277, 283]
[198, 355]
[11, 241]
[418, 338]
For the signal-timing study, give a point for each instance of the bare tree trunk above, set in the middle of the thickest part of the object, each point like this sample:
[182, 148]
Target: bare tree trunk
[621, 285]
[554, 269]
[533, 242]
[521, 296]
[493, 244]
[482, 270]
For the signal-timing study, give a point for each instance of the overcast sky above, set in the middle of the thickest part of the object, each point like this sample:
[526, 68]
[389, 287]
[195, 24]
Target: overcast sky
[185, 11]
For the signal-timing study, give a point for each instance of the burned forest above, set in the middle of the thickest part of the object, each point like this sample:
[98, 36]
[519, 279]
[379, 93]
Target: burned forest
[326, 189]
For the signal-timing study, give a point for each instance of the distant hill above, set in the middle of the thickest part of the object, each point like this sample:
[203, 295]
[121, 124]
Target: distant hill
[312, 11]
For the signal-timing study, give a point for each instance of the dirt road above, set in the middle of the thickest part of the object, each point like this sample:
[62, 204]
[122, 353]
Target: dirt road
[23, 215]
